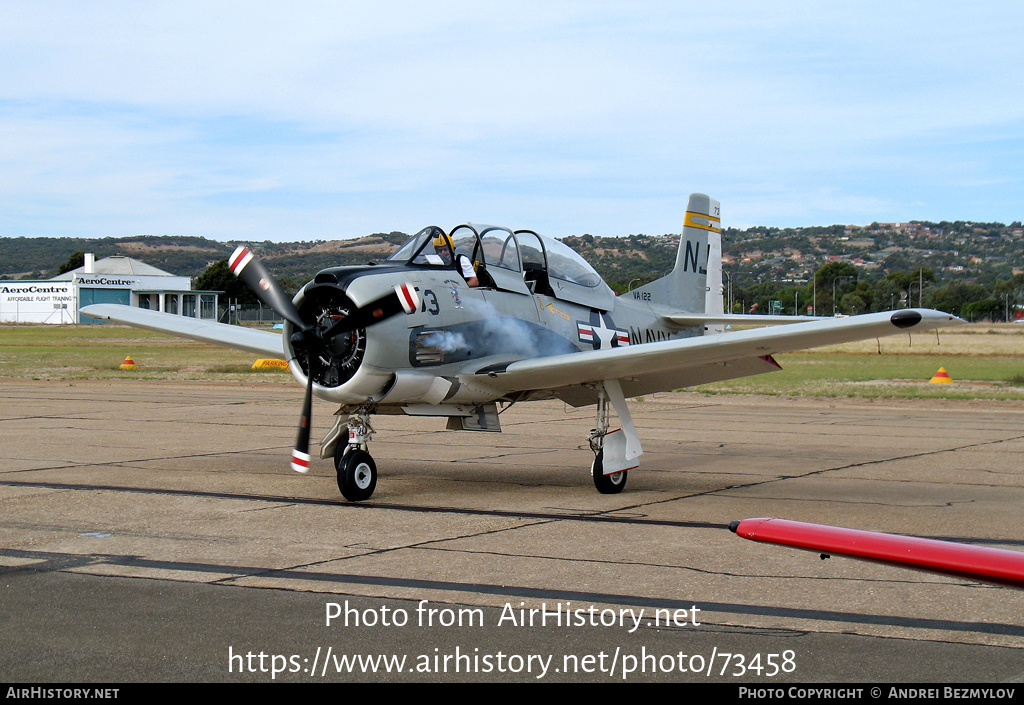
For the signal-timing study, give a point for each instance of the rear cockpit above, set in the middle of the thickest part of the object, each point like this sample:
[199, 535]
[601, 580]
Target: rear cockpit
[521, 261]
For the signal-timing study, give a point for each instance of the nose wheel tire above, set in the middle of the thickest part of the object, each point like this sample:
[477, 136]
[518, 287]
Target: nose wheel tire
[357, 475]
[606, 484]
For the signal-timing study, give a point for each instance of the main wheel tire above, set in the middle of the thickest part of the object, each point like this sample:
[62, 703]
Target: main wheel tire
[607, 484]
[357, 475]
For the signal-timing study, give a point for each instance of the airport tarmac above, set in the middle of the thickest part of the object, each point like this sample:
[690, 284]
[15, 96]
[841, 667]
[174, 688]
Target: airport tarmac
[152, 531]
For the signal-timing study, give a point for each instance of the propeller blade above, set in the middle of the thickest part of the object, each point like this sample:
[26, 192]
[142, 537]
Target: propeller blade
[245, 266]
[402, 298]
[300, 454]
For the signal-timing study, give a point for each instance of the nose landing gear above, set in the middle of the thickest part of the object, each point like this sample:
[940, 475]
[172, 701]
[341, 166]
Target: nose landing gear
[357, 473]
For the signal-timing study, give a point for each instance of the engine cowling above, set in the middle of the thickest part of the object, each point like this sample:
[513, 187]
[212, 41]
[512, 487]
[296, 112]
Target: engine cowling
[340, 374]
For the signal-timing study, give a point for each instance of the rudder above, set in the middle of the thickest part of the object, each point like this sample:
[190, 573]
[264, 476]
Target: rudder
[695, 283]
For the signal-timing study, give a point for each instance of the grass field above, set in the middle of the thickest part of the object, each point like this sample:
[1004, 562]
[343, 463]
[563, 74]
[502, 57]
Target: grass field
[97, 351]
[984, 361]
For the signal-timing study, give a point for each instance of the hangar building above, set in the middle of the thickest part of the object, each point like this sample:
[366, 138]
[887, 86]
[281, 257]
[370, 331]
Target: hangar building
[113, 280]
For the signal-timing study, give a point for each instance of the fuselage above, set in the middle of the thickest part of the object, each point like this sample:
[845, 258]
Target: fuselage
[522, 309]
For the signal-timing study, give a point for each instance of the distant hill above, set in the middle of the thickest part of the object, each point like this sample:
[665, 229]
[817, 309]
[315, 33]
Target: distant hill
[41, 257]
[981, 253]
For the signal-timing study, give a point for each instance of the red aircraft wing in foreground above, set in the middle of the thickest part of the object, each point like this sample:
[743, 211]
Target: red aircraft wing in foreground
[990, 565]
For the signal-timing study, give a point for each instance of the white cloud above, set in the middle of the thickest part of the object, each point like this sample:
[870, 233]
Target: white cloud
[329, 119]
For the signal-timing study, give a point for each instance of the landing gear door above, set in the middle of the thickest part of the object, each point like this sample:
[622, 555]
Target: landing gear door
[616, 456]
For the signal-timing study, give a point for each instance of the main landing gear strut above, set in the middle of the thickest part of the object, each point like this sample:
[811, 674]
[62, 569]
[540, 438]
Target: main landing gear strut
[615, 452]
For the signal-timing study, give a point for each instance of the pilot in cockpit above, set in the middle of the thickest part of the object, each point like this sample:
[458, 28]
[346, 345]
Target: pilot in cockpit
[444, 248]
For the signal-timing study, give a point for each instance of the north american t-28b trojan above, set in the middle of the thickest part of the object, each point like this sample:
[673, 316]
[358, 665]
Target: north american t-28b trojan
[495, 316]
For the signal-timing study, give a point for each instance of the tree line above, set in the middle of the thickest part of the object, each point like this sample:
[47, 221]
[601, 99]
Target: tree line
[841, 288]
[629, 262]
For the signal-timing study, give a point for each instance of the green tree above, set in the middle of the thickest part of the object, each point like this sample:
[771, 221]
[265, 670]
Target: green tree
[74, 262]
[953, 297]
[887, 295]
[852, 304]
[1012, 288]
[984, 309]
[910, 283]
[218, 277]
[832, 271]
[843, 275]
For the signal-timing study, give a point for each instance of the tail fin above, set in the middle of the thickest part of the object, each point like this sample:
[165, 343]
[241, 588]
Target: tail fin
[695, 284]
[714, 301]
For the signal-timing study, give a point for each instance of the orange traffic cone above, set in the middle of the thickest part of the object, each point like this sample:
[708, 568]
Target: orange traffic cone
[941, 377]
[128, 364]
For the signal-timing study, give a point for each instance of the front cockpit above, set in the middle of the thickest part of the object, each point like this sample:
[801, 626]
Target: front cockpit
[521, 261]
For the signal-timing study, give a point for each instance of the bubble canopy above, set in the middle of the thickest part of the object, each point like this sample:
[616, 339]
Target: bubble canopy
[519, 251]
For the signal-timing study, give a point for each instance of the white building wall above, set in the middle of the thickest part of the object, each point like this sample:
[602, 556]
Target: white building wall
[57, 302]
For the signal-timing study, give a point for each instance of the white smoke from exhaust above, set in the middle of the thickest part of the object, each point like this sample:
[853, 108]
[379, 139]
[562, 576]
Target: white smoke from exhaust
[505, 334]
[444, 341]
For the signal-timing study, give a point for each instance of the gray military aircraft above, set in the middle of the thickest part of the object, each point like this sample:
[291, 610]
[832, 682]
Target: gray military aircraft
[527, 319]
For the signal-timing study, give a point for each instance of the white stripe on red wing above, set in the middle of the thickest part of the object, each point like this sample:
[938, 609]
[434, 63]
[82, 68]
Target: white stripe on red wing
[239, 258]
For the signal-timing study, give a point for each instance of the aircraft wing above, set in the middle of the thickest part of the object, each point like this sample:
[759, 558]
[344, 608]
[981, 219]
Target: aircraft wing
[993, 565]
[671, 364]
[260, 342]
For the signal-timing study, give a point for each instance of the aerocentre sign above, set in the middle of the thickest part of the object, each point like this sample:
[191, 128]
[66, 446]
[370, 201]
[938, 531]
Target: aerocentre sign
[37, 302]
[104, 281]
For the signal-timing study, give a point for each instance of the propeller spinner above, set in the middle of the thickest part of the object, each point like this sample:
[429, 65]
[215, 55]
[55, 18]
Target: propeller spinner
[310, 336]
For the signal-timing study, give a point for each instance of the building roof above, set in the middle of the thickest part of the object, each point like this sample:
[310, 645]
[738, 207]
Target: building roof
[116, 265]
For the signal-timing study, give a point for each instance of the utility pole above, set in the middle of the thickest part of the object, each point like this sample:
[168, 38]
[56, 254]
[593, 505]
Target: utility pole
[845, 276]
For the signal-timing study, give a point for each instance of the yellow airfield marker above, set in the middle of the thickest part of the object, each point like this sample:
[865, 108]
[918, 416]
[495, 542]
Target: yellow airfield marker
[266, 363]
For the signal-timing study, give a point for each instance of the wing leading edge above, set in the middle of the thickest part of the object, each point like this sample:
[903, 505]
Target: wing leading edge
[661, 366]
[260, 342]
[993, 565]
[739, 319]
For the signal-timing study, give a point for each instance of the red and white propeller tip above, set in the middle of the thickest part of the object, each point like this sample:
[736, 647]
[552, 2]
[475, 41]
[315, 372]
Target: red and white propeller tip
[238, 259]
[300, 461]
[408, 297]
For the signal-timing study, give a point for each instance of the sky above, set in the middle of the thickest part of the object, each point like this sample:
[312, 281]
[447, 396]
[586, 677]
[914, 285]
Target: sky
[326, 120]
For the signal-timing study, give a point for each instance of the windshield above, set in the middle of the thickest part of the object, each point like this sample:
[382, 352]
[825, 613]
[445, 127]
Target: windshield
[419, 249]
